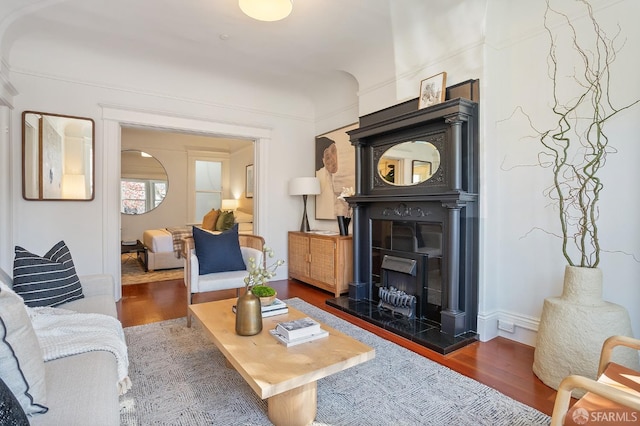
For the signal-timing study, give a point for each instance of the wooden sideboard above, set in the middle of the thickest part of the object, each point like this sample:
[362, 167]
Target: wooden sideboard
[324, 261]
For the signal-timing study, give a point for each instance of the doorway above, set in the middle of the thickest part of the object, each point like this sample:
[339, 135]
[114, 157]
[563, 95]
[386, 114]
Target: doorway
[115, 119]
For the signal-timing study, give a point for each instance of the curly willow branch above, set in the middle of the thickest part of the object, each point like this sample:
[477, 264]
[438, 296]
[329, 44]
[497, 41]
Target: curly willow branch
[577, 146]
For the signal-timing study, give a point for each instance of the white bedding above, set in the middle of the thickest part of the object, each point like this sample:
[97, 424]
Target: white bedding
[158, 240]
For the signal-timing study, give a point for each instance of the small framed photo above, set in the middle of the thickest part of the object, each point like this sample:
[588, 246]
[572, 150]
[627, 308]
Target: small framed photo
[248, 184]
[432, 90]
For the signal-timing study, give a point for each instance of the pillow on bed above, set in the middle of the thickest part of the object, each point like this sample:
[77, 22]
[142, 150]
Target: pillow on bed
[218, 253]
[225, 221]
[210, 219]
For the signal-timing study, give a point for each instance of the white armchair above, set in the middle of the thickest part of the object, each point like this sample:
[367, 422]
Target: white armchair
[250, 246]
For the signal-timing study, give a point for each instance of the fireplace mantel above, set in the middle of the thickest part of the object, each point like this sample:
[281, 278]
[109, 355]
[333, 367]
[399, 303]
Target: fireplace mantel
[447, 200]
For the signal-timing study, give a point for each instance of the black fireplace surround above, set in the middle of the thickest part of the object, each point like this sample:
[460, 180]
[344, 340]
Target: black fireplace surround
[417, 241]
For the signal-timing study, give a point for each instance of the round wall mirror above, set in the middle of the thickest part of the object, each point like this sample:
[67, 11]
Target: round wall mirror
[143, 182]
[409, 163]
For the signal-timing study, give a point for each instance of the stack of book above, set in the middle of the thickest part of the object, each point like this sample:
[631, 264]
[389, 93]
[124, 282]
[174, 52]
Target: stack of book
[278, 307]
[291, 333]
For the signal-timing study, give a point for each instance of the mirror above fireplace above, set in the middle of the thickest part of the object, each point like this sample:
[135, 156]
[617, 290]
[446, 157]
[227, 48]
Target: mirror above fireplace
[57, 157]
[409, 163]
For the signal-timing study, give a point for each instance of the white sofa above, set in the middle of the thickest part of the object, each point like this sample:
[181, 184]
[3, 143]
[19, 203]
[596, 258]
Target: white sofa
[82, 389]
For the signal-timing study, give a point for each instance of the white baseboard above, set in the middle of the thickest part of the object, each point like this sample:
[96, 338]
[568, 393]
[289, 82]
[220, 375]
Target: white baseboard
[513, 326]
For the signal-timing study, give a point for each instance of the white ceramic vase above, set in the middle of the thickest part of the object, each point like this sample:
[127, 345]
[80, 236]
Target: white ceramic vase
[574, 326]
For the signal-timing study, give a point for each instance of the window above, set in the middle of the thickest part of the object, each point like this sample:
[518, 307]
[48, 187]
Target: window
[141, 195]
[208, 186]
[208, 176]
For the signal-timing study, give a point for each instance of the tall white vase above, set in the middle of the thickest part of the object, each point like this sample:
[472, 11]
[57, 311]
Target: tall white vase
[574, 326]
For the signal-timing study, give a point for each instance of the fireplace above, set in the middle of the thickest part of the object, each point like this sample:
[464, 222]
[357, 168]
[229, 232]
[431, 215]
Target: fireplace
[415, 231]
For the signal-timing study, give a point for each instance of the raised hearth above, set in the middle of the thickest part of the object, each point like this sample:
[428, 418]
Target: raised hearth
[423, 332]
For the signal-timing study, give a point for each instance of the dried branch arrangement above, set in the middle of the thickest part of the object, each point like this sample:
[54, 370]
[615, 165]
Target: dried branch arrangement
[576, 147]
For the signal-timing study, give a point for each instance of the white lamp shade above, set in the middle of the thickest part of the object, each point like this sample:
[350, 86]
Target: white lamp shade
[304, 186]
[266, 10]
[229, 204]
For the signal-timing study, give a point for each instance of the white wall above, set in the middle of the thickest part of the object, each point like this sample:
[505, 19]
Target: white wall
[523, 265]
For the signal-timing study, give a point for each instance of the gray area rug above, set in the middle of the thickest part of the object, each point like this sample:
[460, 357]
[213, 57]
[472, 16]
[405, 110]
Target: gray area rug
[180, 378]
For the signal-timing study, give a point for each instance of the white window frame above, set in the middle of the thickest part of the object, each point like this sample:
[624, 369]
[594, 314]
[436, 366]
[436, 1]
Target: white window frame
[192, 157]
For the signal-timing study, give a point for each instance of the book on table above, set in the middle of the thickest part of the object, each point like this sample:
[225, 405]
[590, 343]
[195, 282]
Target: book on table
[278, 307]
[304, 339]
[298, 328]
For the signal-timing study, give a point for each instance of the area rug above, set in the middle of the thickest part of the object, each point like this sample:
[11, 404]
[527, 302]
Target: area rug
[133, 272]
[180, 378]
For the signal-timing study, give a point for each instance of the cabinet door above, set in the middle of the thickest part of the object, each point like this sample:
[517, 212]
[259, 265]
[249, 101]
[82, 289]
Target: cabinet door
[298, 255]
[323, 260]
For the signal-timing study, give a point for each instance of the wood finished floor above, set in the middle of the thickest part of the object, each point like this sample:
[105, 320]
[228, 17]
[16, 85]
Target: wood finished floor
[502, 364]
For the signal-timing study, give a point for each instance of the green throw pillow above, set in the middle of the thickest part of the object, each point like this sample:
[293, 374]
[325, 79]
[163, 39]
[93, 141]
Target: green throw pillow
[225, 221]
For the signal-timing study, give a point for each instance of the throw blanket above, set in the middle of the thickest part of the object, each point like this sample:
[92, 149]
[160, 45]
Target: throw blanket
[179, 234]
[62, 332]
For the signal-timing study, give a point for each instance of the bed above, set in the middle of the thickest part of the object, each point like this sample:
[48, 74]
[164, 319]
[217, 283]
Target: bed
[165, 253]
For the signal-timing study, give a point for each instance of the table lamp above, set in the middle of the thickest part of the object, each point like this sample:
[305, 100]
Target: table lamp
[304, 186]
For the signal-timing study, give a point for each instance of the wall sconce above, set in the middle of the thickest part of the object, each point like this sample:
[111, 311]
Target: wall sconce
[229, 204]
[266, 10]
[304, 186]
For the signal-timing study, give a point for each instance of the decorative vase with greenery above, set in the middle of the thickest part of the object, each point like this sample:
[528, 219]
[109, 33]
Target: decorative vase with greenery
[260, 272]
[249, 305]
[574, 325]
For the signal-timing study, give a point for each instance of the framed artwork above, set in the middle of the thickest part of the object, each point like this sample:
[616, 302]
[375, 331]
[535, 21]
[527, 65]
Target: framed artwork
[432, 90]
[336, 168]
[248, 183]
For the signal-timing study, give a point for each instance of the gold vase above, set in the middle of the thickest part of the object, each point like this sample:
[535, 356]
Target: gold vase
[248, 314]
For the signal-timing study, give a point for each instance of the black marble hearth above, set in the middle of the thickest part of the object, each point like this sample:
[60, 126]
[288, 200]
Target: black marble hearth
[423, 332]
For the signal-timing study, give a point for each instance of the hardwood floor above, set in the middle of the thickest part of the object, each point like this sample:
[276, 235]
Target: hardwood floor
[502, 364]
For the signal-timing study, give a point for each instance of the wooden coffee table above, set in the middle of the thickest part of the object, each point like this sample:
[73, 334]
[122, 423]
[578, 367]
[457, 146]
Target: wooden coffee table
[286, 377]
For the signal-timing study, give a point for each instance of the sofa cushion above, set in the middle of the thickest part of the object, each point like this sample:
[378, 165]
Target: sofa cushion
[218, 253]
[81, 390]
[21, 361]
[225, 221]
[48, 280]
[210, 220]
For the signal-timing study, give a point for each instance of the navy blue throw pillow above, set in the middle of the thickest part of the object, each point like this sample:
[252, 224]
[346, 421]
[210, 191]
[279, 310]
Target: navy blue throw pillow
[218, 253]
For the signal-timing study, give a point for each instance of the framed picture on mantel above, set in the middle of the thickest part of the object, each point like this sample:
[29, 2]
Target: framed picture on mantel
[432, 90]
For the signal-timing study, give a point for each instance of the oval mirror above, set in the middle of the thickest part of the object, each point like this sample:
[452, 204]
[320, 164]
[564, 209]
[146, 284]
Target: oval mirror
[57, 157]
[409, 163]
[143, 182]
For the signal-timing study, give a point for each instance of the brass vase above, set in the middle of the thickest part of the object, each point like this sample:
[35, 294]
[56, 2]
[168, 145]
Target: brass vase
[248, 314]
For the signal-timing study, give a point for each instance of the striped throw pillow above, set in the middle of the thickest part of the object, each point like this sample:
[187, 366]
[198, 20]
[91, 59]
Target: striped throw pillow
[48, 280]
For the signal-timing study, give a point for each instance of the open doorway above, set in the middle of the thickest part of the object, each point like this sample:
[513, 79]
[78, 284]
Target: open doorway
[166, 196]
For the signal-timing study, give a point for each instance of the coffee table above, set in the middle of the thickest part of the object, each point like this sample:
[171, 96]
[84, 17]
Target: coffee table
[286, 377]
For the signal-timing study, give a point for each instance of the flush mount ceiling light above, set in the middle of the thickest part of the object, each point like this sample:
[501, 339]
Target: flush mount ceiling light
[266, 10]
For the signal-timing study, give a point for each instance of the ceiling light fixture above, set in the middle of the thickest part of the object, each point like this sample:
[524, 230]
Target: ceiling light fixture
[266, 10]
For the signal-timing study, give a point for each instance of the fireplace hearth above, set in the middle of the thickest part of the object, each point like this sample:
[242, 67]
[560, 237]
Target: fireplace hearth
[415, 231]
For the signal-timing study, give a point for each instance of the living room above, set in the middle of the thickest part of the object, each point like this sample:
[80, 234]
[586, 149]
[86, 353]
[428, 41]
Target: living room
[72, 70]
